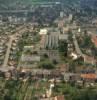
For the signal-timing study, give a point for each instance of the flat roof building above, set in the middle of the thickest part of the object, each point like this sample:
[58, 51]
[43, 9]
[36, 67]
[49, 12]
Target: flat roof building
[43, 31]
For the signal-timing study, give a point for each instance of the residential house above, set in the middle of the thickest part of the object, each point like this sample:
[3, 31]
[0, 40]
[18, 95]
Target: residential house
[60, 97]
[94, 39]
[89, 77]
[89, 60]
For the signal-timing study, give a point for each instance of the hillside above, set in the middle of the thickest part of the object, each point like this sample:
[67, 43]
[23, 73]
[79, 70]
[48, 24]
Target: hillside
[86, 5]
[15, 4]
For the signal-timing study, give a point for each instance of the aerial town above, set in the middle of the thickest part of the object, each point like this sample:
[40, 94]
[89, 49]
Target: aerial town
[48, 50]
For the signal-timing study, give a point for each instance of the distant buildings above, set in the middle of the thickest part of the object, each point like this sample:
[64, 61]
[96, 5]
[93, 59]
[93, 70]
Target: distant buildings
[14, 19]
[0, 19]
[61, 14]
[70, 17]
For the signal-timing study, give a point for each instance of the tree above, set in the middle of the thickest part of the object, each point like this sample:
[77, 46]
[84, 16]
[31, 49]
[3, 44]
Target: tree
[72, 66]
[7, 97]
[87, 94]
[36, 39]
[70, 35]
[63, 47]
[46, 65]
[55, 62]
[45, 55]
[87, 43]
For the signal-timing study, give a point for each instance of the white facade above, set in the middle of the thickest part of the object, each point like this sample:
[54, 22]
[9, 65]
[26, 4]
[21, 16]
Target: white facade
[43, 31]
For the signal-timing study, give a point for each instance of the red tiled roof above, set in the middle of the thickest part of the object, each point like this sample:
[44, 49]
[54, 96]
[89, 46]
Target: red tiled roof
[88, 76]
[59, 97]
[94, 40]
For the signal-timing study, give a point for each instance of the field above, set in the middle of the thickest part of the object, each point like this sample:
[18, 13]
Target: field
[21, 90]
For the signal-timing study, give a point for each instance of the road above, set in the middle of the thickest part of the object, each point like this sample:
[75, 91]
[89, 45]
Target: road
[8, 52]
[79, 52]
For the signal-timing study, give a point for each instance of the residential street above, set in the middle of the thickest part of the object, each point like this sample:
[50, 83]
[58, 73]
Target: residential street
[9, 44]
[8, 52]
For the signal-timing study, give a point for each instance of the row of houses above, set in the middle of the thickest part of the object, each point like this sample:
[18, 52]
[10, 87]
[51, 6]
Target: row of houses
[38, 74]
[88, 77]
[3, 46]
[11, 72]
[12, 59]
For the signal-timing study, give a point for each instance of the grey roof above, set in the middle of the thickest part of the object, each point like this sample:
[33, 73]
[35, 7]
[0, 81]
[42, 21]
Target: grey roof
[63, 37]
[28, 58]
